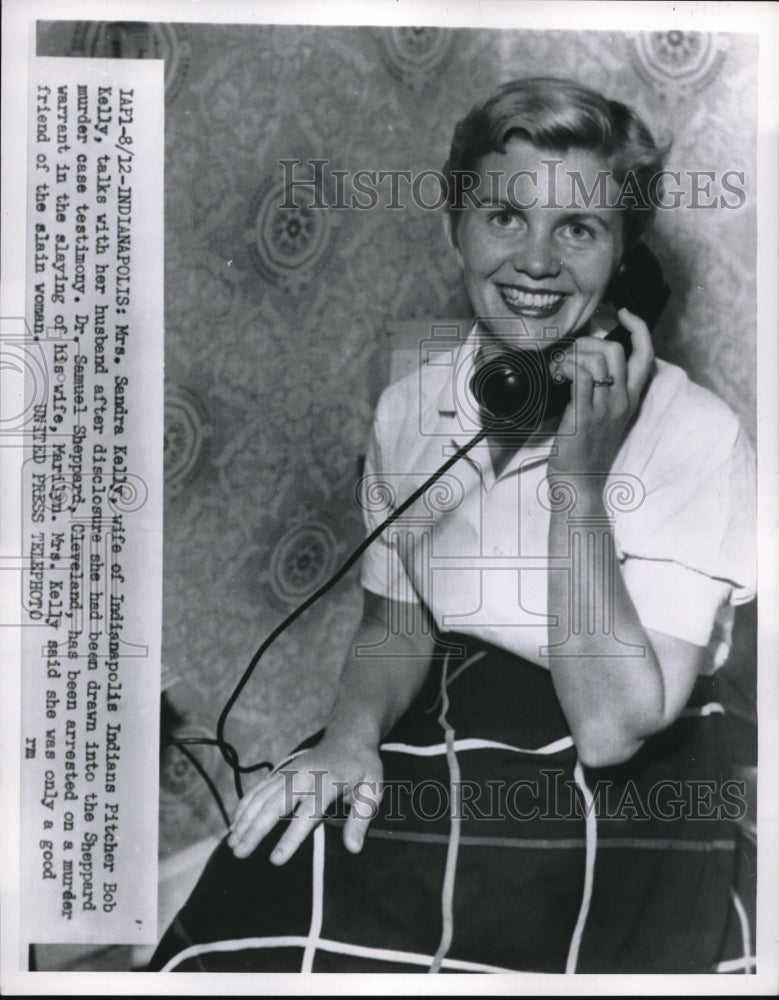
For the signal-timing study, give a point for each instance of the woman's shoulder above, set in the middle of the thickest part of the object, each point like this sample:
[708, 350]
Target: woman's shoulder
[425, 388]
[680, 416]
[402, 390]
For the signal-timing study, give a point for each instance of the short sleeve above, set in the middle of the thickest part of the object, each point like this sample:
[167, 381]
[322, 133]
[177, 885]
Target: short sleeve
[382, 570]
[688, 549]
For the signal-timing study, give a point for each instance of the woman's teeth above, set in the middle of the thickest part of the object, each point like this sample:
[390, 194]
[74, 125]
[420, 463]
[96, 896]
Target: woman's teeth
[530, 300]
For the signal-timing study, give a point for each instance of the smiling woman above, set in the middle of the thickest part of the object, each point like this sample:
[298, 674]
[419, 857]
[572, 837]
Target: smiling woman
[512, 776]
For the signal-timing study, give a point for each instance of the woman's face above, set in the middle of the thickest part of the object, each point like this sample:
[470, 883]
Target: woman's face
[537, 257]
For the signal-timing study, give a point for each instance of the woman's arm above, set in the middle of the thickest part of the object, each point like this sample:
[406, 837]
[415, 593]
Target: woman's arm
[612, 703]
[376, 687]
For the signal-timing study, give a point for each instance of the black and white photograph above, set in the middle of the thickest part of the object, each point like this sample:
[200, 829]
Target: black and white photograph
[388, 437]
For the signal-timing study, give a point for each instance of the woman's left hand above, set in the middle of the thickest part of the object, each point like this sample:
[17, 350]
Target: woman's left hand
[605, 394]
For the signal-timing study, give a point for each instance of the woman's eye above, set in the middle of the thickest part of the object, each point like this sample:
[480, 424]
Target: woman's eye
[503, 219]
[578, 231]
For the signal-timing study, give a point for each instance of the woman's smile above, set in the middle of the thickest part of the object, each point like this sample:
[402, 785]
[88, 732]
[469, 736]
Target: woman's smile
[531, 303]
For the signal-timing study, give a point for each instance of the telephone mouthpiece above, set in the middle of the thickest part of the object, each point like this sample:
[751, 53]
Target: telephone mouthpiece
[516, 390]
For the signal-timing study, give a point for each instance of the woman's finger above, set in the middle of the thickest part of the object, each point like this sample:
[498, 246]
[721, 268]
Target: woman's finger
[641, 360]
[263, 812]
[581, 391]
[613, 396]
[610, 350]
[258, 824]
[365, 798]
[607, 365]
[276, 791]
[254, 799]
[308, 815]
[583, 372]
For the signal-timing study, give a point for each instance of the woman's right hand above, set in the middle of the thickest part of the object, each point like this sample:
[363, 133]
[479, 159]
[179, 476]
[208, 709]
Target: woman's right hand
[338, 767]
[373, 692]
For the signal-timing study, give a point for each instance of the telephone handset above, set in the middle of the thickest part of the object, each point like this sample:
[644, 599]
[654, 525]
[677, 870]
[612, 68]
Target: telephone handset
[517, 390]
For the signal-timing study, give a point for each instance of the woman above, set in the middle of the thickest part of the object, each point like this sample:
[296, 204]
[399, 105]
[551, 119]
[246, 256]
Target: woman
[530, 686]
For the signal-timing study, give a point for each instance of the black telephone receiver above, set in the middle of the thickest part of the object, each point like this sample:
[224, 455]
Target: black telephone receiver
[517, 391]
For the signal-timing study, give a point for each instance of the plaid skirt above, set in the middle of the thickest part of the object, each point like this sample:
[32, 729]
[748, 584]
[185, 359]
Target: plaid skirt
[495, 850]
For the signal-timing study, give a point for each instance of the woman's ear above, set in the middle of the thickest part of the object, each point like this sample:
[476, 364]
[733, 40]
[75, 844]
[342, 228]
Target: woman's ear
[451, 236]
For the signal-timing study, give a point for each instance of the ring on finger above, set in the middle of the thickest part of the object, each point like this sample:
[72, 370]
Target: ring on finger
[609, 380]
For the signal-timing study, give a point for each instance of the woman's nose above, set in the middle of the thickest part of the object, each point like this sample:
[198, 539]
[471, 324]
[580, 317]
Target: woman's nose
[535, 257]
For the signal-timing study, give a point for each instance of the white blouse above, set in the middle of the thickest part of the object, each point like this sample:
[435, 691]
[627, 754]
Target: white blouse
[680, 495]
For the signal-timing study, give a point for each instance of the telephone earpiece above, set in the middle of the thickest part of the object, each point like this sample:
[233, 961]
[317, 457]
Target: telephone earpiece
[639, 285]
[517, 390]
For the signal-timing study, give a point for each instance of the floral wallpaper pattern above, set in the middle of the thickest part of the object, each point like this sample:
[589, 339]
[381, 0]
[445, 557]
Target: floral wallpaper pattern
[277, 319]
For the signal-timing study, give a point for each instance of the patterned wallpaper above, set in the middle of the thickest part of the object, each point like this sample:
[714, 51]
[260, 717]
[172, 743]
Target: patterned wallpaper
[276, 320]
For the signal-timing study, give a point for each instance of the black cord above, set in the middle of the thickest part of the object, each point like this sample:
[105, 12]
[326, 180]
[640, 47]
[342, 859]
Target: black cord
[185, 741]
[228, 751]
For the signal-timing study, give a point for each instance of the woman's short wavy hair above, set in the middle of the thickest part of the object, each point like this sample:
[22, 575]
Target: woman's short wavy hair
[557, 115]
